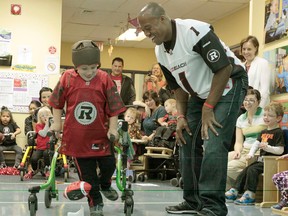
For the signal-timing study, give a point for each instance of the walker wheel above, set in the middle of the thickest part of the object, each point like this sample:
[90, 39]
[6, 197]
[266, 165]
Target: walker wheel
[32, 204]
[48, 197]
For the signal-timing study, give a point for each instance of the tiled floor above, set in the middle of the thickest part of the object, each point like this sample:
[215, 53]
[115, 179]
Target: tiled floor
[150, 198]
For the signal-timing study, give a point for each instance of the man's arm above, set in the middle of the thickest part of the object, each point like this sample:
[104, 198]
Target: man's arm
[219, 82]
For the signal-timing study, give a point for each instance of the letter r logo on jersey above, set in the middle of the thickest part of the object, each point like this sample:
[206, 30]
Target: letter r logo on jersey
[85, 113]
[213, 55]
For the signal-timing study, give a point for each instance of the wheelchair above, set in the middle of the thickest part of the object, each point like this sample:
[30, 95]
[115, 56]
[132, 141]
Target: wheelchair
[62, 166]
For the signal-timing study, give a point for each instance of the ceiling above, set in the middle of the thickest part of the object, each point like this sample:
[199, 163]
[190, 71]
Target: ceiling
[105, 20]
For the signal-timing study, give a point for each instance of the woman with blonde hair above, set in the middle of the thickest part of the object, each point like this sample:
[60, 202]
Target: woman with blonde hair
[155, 80]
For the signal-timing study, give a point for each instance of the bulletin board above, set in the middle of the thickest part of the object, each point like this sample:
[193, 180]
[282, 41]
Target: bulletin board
[17, 89]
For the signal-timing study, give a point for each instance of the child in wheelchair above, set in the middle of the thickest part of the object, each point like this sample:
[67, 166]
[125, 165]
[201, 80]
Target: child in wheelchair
[164, 134]
[42, 149]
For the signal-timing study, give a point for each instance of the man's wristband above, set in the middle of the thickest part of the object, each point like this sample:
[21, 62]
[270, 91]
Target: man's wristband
[180, 116]
[208, 105]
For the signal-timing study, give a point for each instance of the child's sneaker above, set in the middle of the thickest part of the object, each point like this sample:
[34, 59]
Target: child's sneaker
[231, 194]
[16, 166]
[245, 200]
[97, 210]
[47, 174]
[3, 165]
[28, 175]
[280, 205]
[110, 193]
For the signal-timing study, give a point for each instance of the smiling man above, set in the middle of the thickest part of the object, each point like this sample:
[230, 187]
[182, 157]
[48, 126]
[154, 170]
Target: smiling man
[210, 84]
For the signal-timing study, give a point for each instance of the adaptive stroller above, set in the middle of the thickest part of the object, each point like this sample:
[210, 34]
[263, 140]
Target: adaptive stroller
[61, 163]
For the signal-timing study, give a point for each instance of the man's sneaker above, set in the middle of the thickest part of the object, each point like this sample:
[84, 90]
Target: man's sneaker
[97, 210]
[280, 205]
[110, 193]
[231, 194]
[182, 208]
[245, 200]
[3, 165]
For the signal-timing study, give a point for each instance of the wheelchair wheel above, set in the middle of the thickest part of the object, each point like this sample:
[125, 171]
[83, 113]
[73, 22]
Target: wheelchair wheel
[48, 197]
[22, 173]
[66, 176]
[141, 177]
[174, 182]
[32, 204]
[181, 182]
[160, 176]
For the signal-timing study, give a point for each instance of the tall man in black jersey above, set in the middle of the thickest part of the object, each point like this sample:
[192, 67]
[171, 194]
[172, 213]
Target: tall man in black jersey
[210, 84]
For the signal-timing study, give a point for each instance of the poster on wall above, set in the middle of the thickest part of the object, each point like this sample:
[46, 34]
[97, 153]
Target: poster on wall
[17, 89]
[278, 59]
[276, 20]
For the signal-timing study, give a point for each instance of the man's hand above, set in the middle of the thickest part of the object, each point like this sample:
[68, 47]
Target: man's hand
[208, 120]
[182, 125]
[236, 155]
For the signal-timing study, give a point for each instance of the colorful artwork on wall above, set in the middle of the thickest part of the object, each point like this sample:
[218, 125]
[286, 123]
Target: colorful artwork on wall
[276, 20]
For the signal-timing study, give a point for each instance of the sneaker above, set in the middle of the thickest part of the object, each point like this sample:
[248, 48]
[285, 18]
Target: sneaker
[245, 200]
[3, 165]
[110, 193]
[182, 208]
[97, 210]
[280, 205]
[231, 194]
[16, 166]
[28, 175]
[47, 174]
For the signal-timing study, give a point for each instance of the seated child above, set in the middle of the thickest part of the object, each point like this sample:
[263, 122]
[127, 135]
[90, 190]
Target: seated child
[168, 124]
[10, 129]
[131, 116]
[271, 142]
[34, 104]
[42, 149]
[281, 182]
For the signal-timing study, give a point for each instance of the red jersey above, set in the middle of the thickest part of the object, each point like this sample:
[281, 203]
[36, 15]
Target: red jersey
[41, 141]
[88, 107]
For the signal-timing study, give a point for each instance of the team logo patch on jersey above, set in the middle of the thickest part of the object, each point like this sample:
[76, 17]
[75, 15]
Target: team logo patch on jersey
[85, 113]
[213, 55]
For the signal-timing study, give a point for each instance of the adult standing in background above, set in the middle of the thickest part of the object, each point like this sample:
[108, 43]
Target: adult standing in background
[210, 84]
[124, 84]
[258, 69]
[154, 80]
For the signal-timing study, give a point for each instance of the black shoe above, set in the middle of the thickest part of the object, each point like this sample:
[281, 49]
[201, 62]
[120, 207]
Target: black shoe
[182, 208]
[110, 193]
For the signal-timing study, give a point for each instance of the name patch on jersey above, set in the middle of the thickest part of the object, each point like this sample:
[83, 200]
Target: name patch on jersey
[213, 55]
[176, 67]
[85, 113]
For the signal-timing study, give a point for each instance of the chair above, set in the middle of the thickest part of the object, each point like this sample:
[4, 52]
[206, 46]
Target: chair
[271, 195]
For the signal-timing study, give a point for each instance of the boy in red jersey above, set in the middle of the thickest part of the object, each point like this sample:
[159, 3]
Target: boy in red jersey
[91, 100]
